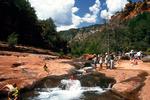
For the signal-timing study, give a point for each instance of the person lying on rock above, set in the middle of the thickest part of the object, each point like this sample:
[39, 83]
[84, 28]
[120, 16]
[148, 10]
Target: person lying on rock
[12, 91]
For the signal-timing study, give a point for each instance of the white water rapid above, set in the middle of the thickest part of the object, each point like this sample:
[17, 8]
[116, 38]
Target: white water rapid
[72, 90]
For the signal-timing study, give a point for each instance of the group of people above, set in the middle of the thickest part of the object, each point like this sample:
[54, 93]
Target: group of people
[134, 56]
[108, 60]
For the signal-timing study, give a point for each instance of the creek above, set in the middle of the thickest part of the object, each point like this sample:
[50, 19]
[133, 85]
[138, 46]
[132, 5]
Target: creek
[85, 87]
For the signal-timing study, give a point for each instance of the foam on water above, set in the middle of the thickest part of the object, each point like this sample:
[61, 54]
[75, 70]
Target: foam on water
[73, 91]
[60, 95]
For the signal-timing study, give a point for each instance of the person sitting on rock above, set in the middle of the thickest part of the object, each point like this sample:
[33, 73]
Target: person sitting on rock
[12, 91]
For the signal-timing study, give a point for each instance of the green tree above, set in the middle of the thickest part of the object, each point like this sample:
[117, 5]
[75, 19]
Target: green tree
[50, 36]
[18, 16]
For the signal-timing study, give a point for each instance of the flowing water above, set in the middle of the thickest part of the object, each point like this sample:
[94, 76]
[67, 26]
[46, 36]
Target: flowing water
[94, 86]
[69, 90]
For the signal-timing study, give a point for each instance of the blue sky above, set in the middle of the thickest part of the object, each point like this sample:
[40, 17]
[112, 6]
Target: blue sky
[77, 13]
[84, 7]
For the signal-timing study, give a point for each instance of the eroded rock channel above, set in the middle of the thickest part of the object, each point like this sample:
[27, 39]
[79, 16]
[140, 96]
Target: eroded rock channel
[92, 86]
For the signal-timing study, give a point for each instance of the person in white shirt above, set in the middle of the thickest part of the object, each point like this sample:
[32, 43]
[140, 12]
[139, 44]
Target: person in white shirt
[106, 60]
[139, 55]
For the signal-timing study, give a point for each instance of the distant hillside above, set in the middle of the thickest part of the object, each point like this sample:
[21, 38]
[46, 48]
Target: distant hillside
[81, 33]
[126, 30]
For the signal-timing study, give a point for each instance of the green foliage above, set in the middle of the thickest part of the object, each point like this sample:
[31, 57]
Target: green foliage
[69, 34]
[140, 31]
[132, 34]
[51, 37]
[12, 39]
[18, 16]
[48, 30]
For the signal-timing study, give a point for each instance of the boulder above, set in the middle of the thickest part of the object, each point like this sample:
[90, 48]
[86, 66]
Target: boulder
[96, 79]
[88, 56]
[146, 58]
[128, 87]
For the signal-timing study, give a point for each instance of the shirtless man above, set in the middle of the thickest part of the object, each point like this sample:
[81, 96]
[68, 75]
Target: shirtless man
[12, 91]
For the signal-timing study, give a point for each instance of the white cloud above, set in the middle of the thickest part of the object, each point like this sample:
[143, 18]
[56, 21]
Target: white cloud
[105, 14]
[63, 12]
[92, 16]
[113, 7]
[88, 17]
[59, 10]
[116, 5]
[75, 9]
[76, 20]
[65, 27]
[95, 8]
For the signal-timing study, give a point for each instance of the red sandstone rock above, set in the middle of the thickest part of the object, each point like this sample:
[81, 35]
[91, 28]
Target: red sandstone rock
[128, 86]
[130, 78]
[88, 56]
[29, 69]
[144, 94]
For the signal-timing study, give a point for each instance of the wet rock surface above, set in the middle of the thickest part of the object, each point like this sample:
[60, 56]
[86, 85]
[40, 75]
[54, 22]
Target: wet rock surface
[54, 81]
[26, 69]
[96, 79]
[131, 80]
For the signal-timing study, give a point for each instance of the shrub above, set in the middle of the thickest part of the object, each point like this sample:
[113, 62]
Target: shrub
[12, 39]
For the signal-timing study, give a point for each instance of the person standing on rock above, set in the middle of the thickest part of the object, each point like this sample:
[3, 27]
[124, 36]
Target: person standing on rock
[131, 55]
[119, 57]
[112, 61]
[95, 61]
[46, 68]
[139, 55]
[101, 62]
[107, 60]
